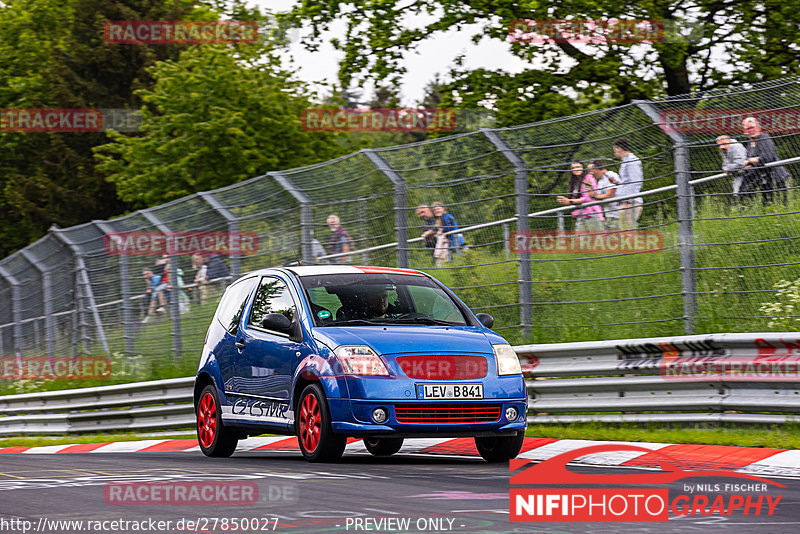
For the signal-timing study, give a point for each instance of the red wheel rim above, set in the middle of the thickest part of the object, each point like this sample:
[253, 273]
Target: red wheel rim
[207, 420]
[310, 424]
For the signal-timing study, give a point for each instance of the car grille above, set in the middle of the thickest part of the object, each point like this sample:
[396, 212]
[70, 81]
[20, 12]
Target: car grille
[447, 413]
[444, 367]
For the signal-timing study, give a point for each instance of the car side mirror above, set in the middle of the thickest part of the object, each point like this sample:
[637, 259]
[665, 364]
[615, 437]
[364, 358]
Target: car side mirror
[277, 322]
[485, 319]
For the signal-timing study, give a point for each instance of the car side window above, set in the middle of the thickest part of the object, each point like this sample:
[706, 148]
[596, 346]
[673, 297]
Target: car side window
[232, 305]
[273, 296]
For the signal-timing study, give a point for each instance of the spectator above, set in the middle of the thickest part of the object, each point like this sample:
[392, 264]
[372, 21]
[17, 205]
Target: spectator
[734, 156]
[607, 182]
[760, 151]
[183, 298]
[581, 187]
[631, 178]
[340, 240]
[445, 222]
[155, 289]
[428, 225]
[317, 250]
[200, 277]
[216, 268]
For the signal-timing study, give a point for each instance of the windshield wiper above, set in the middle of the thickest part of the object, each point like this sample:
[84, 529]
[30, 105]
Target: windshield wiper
[355, 322]
[423, 320]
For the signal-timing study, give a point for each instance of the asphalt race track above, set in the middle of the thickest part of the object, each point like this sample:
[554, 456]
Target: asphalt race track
[434, 494]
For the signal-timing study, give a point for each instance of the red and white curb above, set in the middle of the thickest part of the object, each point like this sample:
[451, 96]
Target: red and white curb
[743, 459]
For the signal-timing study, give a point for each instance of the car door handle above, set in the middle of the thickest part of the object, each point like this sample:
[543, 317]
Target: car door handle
[240, 345]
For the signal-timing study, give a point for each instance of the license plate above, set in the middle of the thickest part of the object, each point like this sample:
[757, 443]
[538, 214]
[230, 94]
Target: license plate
[450, 391]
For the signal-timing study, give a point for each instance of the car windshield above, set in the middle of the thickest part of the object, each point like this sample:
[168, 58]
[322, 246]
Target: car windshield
[379, 299]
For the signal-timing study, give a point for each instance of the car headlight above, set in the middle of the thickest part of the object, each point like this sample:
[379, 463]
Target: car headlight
[360, 360]
[507, 361]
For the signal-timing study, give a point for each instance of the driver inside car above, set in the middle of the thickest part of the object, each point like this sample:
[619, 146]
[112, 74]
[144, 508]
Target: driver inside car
[377, 302]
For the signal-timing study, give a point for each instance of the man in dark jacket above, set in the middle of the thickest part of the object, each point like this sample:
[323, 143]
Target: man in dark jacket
[760, 151]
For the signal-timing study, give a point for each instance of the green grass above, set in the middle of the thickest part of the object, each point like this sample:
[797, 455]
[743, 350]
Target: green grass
[785, 437]
[780, 437]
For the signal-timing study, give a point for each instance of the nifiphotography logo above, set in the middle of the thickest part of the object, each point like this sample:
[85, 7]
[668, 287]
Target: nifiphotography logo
[635, 496]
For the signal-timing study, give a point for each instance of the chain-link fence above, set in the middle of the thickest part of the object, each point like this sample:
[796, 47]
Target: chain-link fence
[716, 257]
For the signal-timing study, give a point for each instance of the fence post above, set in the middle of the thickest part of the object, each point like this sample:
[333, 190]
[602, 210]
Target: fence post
[400, 207]
[523, 224]
[233, 228]
[128, 320]
[686, 237]
[47, 300]
[174, 304]
[82, 281]
[16, 308]
[306, 214]
[685, 199]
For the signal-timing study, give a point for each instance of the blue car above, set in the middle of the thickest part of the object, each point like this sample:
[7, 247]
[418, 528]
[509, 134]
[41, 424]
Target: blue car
[330, 352]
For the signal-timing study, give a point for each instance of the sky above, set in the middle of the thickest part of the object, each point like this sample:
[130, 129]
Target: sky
[434, 55]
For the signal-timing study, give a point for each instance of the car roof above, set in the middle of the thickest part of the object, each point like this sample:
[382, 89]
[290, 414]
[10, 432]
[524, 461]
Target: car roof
[313, 270]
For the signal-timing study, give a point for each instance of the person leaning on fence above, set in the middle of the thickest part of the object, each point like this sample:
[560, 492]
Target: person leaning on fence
[734, 156]
[631, 178]
[340, 240]
[760, 151]
[446, 245]
[317, 250]
[581, 188]
[155, 290]
[607, 182]
[428, 225]
[200, 277]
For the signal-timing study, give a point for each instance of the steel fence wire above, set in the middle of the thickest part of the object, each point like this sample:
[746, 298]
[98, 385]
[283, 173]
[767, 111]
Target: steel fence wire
[360, 195]
[474, 182]
[745, 243]
[717, 262]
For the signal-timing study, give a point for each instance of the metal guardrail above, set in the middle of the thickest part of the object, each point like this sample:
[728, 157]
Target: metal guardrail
[743, 378]
[740, 378]
[153, 405]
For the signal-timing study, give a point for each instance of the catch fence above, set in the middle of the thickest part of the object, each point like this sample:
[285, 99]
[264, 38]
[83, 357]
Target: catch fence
[718, 261]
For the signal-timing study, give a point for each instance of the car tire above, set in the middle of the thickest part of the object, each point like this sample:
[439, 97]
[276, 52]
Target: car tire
[214, 439]
[383, 446]
[500, 448]
[315, 436]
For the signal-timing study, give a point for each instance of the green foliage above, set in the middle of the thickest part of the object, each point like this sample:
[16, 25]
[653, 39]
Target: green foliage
[52, 55]
[212, 118]
[785, 306]
[755, 38]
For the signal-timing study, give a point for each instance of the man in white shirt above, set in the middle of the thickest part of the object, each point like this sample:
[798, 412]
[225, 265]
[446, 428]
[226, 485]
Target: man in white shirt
[607, 183]
[631, 178]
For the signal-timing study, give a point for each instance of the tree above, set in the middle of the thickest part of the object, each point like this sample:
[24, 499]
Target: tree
[756, 40]
[214, 117]
[52, 55]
